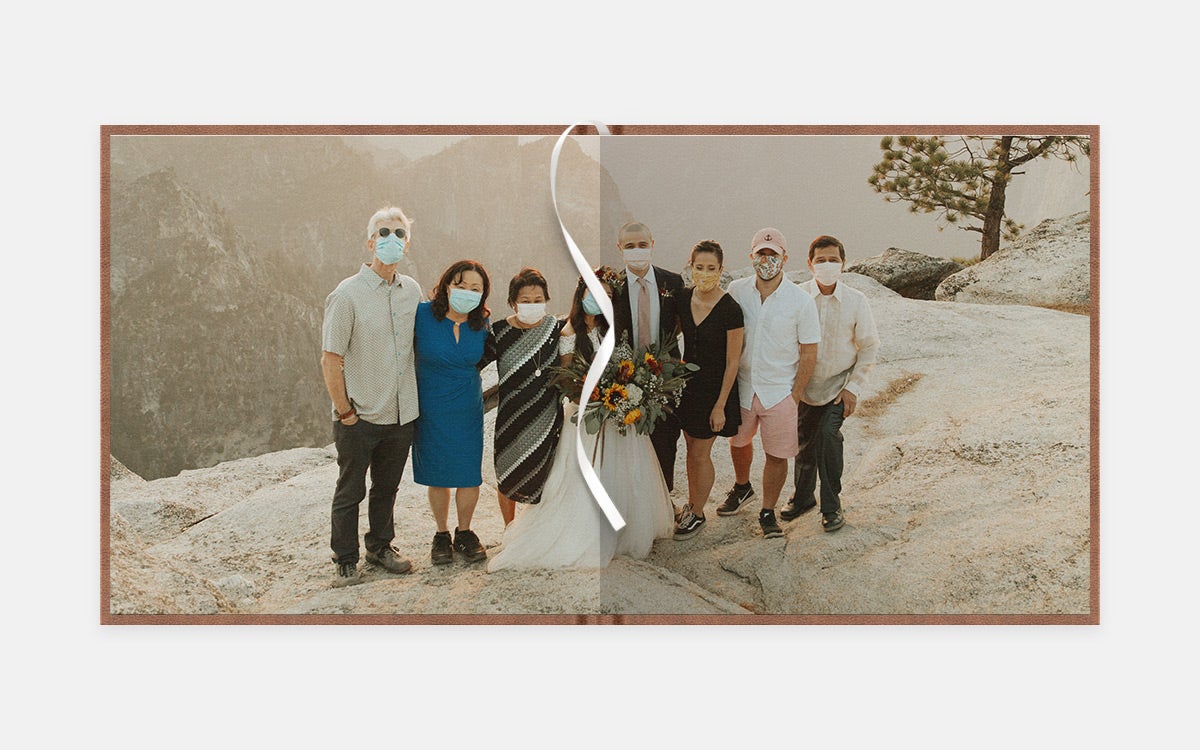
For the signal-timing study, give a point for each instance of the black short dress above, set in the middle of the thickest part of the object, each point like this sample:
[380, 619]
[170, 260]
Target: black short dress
[704, 345]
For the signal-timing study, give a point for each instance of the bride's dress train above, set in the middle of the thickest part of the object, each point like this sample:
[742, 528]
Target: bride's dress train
[567, 529]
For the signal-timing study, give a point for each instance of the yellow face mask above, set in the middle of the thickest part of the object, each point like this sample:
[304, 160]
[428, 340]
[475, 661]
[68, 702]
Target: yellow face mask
[706, 281]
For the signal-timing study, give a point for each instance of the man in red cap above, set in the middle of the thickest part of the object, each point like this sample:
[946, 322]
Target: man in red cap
[782, 331]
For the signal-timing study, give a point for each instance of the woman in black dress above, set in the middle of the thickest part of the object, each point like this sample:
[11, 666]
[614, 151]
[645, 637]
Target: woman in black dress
[529, 417]
[712, 327]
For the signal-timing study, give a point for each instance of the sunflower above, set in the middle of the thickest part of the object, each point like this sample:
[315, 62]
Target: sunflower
[633, 416]
[624, 371]
[614, 395]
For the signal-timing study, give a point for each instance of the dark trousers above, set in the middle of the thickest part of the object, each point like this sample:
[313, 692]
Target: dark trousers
[820, 431]
[382, 449]
[665, 438]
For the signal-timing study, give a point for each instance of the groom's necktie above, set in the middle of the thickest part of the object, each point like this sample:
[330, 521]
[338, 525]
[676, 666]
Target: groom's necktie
[643, 329]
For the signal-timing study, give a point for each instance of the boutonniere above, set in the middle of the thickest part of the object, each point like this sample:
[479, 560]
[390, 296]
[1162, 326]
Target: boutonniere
[664, 293]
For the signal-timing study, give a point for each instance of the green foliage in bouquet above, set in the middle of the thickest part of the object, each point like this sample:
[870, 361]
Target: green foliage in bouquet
[638, 389]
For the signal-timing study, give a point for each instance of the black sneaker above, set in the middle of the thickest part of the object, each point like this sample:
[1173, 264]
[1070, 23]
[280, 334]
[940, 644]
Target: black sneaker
[443, 551]
[736, 499]
[832, 521]
[689, 524]
[467, 545]
[792, 511]
[770, 528]
[387, 559]
[347, 575]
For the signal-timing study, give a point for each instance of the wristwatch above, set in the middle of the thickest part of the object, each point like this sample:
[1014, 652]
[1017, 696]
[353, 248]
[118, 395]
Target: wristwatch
[347, 415]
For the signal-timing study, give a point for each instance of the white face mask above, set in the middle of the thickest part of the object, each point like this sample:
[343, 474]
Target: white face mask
[530, 312]
[637, 258]
[827, 273]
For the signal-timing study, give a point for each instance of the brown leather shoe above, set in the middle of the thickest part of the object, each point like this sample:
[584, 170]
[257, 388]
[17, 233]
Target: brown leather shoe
[387, 559]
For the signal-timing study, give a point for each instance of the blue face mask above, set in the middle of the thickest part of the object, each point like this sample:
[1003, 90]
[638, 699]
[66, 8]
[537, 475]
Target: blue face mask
[590, 305]
[464, 300]
[389, 249]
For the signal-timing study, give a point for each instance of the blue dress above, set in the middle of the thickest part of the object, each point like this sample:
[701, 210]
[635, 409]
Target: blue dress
[447, 448]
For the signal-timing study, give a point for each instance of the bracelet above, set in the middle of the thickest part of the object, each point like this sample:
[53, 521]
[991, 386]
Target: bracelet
[347, 415]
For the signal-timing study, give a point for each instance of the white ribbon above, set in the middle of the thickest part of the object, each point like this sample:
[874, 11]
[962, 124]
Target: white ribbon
[606, 346]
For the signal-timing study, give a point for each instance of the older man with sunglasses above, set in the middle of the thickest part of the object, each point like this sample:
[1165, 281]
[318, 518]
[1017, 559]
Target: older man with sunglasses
[367, 362]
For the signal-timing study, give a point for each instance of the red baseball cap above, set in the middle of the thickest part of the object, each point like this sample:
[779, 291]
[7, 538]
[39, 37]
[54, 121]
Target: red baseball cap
[769, 237]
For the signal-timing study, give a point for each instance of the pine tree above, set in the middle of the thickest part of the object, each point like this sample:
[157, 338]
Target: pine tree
[968, 183]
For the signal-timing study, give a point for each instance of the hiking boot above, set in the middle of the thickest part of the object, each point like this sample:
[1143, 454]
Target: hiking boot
[736, 499]
[793, 510]
[347, 575]
[387, 559]
[689, 524]
[443, 552]
[467, 545]
[832, 521]
[770, 528]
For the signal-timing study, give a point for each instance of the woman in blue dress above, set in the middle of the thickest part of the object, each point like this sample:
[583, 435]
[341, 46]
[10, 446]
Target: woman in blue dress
[453, 342]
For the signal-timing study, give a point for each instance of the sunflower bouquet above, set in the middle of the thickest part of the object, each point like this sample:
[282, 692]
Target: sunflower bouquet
[638, 389]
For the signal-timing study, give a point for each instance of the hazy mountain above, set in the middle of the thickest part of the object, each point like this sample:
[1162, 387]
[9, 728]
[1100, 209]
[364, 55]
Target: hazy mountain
[302, 201]
[488, 198]
[213, 355]
[223, 250]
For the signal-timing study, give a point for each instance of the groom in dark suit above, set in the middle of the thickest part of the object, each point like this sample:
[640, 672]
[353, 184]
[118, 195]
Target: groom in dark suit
[644, 309]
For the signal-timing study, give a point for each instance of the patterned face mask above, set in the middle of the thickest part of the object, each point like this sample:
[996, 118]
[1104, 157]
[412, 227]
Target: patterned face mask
[706, 281]
[768, 266]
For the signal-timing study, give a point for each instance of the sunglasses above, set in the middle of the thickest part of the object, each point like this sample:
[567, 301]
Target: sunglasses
[384, 232]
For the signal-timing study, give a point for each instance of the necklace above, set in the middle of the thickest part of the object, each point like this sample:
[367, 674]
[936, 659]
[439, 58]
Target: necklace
[541, 361]
[537, 354]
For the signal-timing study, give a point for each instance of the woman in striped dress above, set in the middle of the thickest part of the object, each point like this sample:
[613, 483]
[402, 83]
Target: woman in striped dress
[529, 417]
[567, 529]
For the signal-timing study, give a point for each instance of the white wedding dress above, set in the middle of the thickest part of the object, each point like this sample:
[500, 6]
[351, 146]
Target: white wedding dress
[567, 529]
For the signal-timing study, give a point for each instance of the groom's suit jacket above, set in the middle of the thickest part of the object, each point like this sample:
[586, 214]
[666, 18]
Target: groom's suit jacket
[669, 285]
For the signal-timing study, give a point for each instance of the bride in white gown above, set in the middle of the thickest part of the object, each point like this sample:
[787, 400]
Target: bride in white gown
[567, 529]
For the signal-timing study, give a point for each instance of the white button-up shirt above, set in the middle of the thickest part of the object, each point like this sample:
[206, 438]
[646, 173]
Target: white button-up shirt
[849, 343]
[634, 289]
[775, 329]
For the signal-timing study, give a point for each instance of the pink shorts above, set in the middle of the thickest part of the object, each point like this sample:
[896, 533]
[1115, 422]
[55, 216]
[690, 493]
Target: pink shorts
[779, 435]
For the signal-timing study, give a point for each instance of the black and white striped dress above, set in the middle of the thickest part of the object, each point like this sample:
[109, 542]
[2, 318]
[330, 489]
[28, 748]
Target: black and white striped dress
[529, 417]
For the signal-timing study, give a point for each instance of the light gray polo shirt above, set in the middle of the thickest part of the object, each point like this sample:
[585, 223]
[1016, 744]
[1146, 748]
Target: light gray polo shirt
[369, 323]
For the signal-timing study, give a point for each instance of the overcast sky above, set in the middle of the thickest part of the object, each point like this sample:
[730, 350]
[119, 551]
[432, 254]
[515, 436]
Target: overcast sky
[688, 188]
